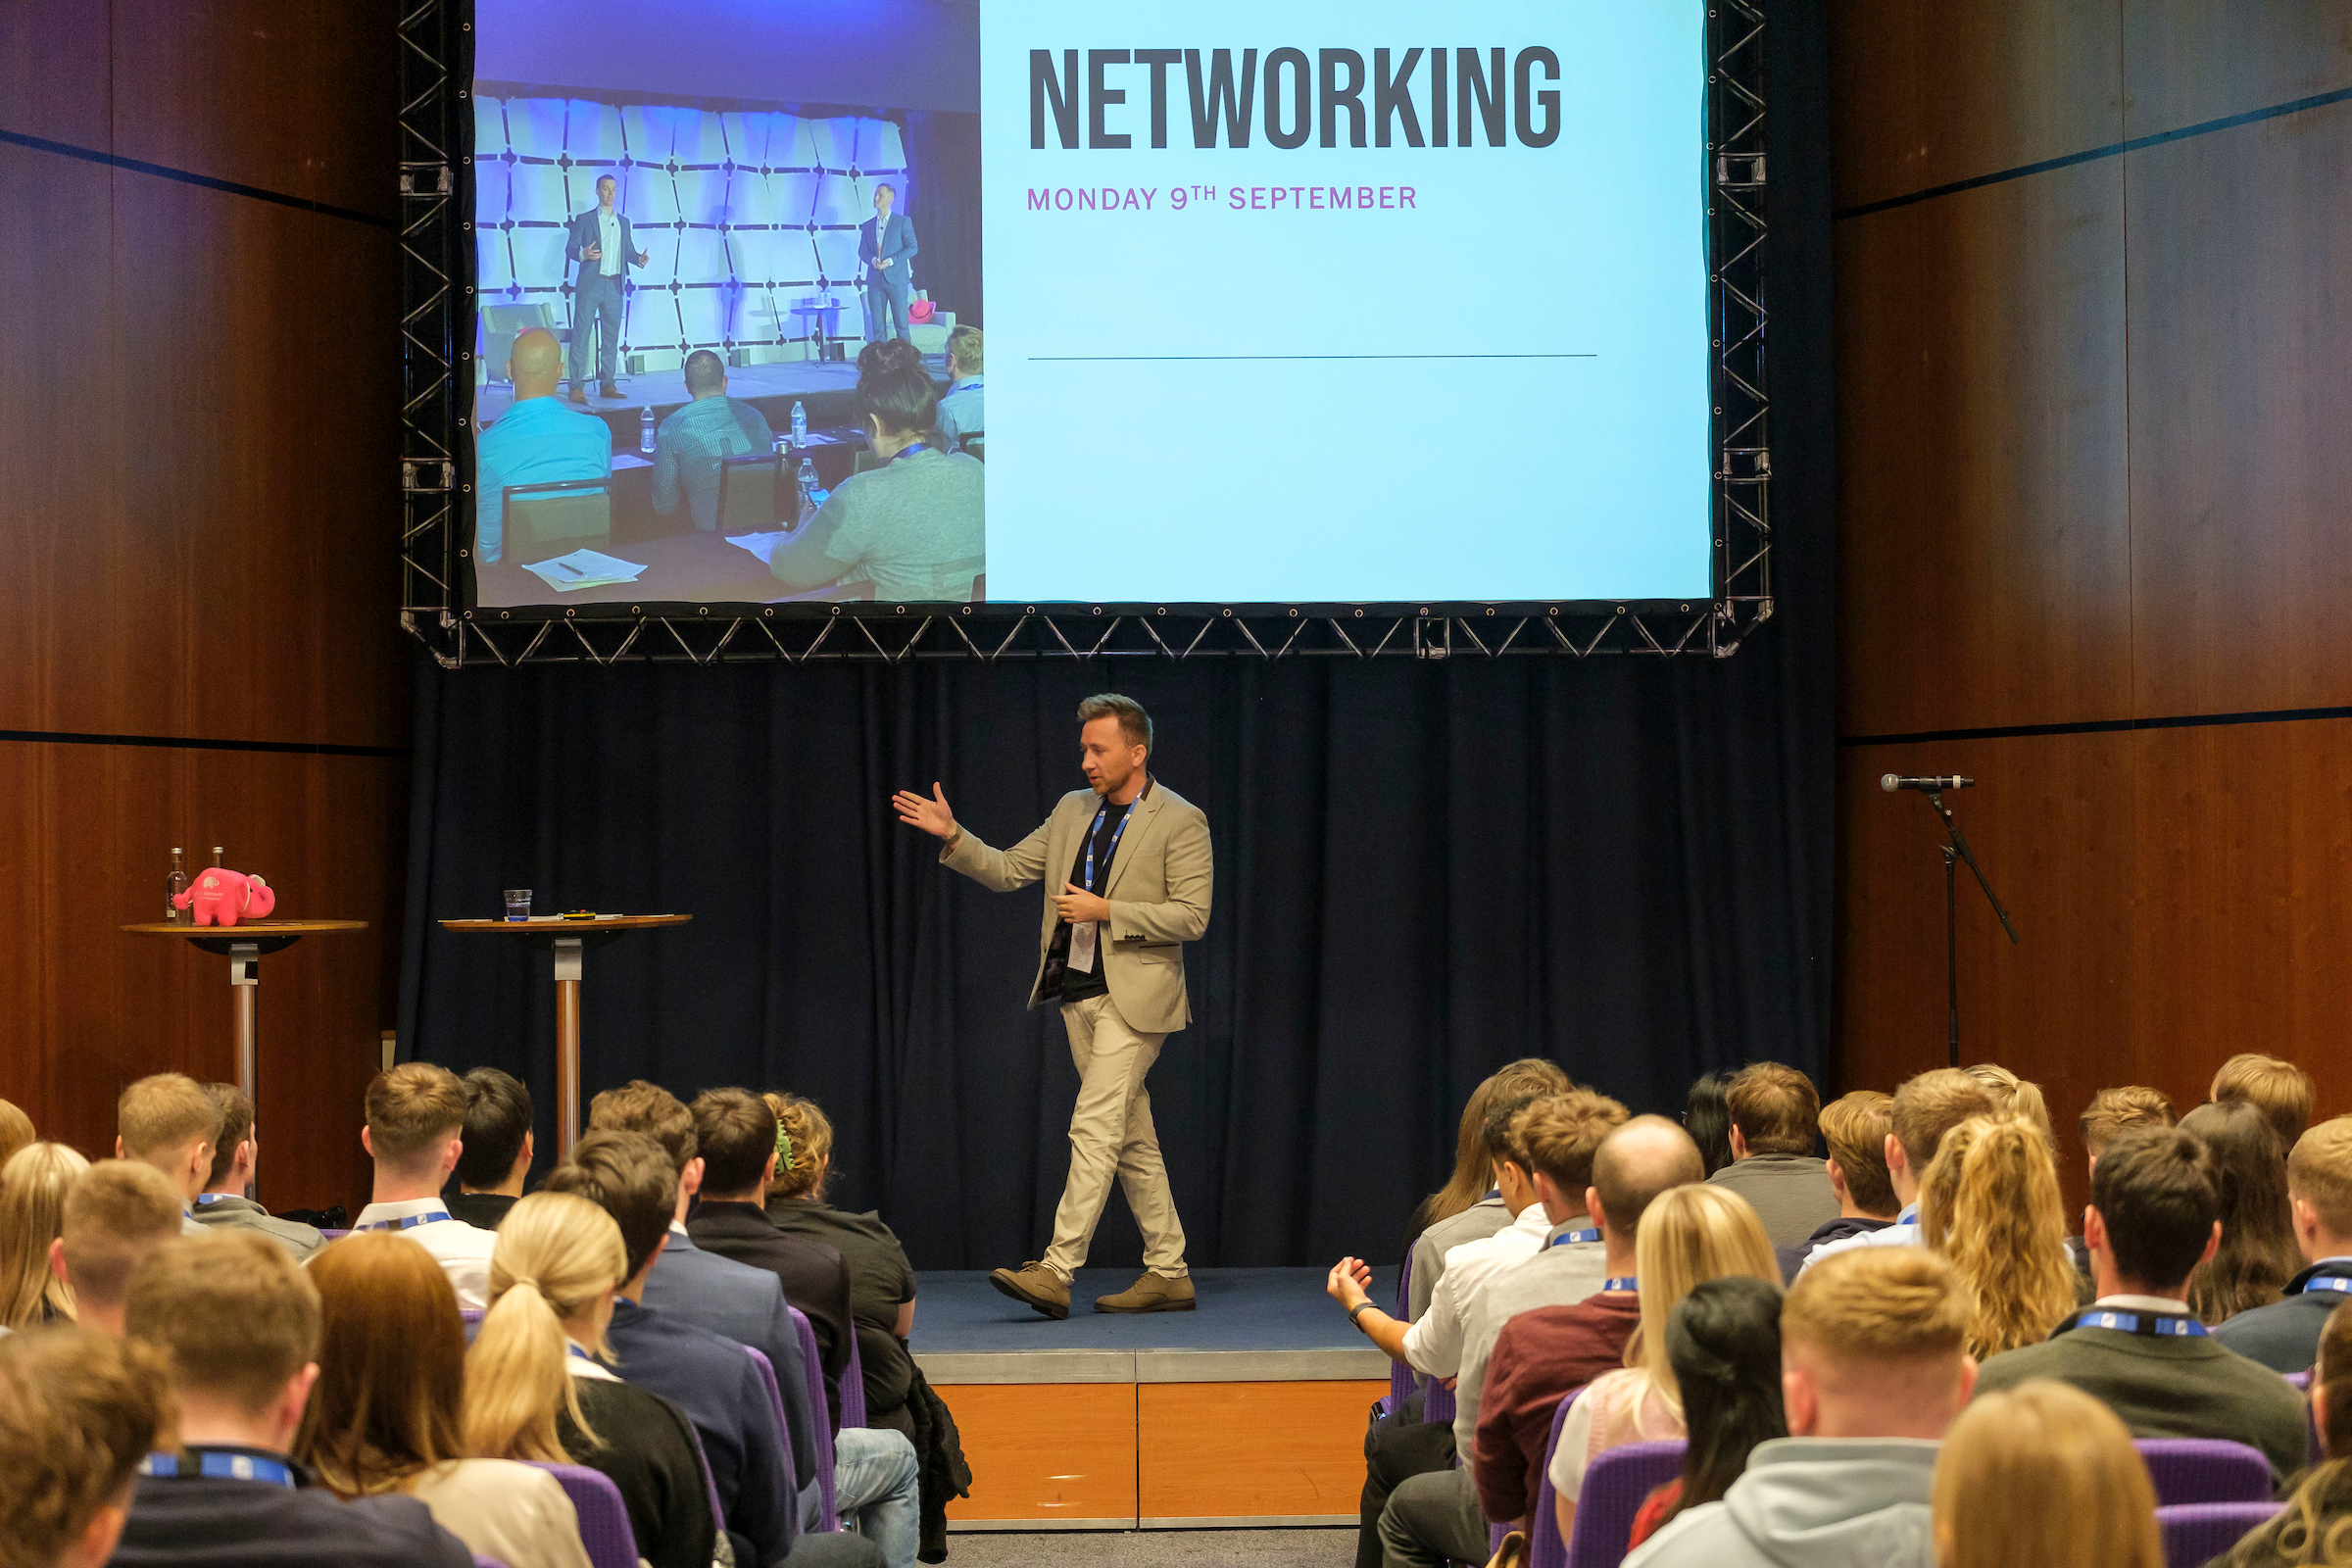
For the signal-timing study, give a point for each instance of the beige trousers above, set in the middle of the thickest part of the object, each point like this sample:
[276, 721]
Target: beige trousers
[1111, 1133]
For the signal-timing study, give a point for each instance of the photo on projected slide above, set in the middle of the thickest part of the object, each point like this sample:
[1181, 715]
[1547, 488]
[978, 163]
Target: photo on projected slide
[728, 340]
[1312, 304]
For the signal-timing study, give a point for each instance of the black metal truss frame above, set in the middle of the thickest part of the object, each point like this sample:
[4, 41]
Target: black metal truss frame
[437, 296]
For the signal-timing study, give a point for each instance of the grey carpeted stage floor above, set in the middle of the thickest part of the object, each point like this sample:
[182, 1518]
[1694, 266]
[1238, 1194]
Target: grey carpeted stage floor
[1241, 1310]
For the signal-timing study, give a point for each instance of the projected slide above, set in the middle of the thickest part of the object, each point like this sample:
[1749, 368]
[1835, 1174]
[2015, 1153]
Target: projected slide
[920, 302]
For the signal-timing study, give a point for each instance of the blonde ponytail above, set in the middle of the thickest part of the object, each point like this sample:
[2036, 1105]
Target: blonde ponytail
[555, 1257]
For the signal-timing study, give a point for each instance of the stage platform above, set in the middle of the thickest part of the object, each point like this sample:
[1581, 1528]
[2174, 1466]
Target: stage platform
[823, 384]
[1249, 1410]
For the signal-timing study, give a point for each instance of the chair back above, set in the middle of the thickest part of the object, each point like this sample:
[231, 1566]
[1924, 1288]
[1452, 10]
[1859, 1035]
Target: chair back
[1544, 1548]
[853, 1389]
[748, 489]
[472, 1316]
[2189, 1470]
[828, 1518]
[603, 1518]
[555, 519]
[2196, 1532]
[332, 1236]
[974, 442]
[1615, 1485]
[1437, 1407]
[775, 1402]
[1401, 1376]
[718, 1515]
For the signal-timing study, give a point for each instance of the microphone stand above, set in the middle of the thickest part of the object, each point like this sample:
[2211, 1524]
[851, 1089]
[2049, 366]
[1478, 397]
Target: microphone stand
[1956, 849]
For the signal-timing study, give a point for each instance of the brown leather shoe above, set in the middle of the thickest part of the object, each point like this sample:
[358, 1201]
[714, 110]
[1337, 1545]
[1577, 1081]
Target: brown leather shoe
[1038, 1286]
[579, 393]
[1151, 1293]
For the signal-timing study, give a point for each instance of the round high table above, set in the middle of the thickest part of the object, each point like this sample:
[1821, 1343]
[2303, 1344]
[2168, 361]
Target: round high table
[569, 940]
[243, 945]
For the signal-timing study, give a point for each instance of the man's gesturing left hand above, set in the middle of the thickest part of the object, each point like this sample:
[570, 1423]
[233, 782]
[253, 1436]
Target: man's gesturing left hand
[1074, 903]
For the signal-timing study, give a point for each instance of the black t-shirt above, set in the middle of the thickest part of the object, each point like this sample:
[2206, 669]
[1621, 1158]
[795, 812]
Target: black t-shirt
[1077, 985]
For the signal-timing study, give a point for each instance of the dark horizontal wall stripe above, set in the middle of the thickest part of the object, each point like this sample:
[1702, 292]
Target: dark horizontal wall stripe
[185, 743]
[2102, 726]
[90, 155]
[2250, 116]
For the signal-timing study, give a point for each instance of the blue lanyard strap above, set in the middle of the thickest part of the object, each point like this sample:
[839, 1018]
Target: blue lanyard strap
[1115, 834]
[1629, 1282]
[1565, 1237]
[908, 450]
[1909, 1219]
[406, 1222]
[2328, 1281]
[221, 1465]
[2148, 1325]
[583, 1354]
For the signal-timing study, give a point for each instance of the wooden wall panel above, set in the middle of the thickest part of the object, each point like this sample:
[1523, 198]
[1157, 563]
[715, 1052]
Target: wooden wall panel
[2188, 62]
[1923, 95]
[1240, 1450]
[2241, 405]
[54, 70]
[1047, 1451]
[1984, 556]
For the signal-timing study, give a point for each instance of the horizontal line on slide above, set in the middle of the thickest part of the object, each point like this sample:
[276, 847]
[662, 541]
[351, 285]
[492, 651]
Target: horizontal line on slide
[91, 155]
[185, 743]
[2101, 726]
[2113, 150]
[1165, 359]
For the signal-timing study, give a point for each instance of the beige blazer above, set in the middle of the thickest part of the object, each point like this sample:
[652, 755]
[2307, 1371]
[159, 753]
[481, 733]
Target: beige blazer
[1158, 892]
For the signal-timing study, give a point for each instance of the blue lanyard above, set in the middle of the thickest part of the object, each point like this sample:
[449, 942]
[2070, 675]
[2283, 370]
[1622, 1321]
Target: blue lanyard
[407, 1222]
[207, 1200]
[2327, 1281]
[217, 1465]
[1911, 1218]
[1115, 834]
[1629, 1282]
[1565, 1237]
[583, 1354]
[2157, 1325]
[907, 450]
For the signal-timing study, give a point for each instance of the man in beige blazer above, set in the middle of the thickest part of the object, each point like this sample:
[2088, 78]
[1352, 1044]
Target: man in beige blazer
[1110, 955]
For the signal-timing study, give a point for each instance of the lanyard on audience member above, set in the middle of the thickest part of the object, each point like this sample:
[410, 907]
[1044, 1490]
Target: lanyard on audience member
[220, 1465]
[2148, 1325]
[1624, 1282]
[1115, 834]
[908, 450]
[406, 1222]
[2327, 1281]
[1565, 1237]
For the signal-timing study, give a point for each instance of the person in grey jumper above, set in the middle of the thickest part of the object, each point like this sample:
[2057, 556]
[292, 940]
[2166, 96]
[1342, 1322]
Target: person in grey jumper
[1775, 1117]
[224, 1202]
[1873, 1372]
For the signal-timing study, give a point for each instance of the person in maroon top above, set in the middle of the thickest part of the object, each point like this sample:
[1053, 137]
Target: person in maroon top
[1542, 1354]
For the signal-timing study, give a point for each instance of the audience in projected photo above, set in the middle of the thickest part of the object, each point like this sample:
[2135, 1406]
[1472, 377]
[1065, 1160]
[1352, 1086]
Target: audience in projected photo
[537, 441]
[912, 528]
[962, 411]
[692, 442]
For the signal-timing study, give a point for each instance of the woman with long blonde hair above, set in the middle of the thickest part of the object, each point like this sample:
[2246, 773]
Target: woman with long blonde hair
[2316, 1525]
[1473, 1173]
[385, 1414]
[2012, 1096]
[2043, 1476]
[538, 1385]
[1990, 1204]
[1688, 1235]
[32, 1206]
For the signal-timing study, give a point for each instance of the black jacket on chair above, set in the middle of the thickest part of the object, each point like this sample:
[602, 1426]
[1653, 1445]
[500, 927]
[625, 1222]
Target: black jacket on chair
[815, 1279]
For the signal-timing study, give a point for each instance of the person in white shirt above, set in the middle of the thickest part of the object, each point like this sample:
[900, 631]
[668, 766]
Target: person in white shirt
[1924, 1108]
[415, 1125]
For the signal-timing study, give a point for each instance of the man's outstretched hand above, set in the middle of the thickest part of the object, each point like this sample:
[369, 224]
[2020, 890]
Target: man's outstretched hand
[929, 813]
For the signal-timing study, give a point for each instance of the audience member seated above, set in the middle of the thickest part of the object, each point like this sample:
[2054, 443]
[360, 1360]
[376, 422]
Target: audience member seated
[168, 1121]
[2258, 1255]
[691, 442]
[496, 1156]
[2314, 1524]
[32, 1215]
[2279, 1090]
[1923, 1110]
[16, 1131]
[2043, 1476]
[1689, 1234]
[2155, 1207]
[912, 528]
[629, 1177]
[1723, 1341]
[736, 1132]
[733, 1300]
[387, 1412]
[538, 1385]
[1406, 1448]
[1854, 1128]
[235, 1155]
[1775, 1117]
[2284, 1336]
[238, 1326]
[1469, 1207]
[1872, 1373]
[961, 407]
[1991, 1205]
[2111, 1111]
[537, 441]
[1544, 1353]
[114, 1215]
[1707, 1118]
[79, 1412]
[416, 1126]
[2012, 1096]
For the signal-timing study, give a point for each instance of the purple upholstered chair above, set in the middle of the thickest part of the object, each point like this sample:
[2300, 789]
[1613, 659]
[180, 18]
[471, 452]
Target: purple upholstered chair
[2301, 1379]
[332, 1236]
[853, 1389]
[480, 1561]
[775, 1402]
[1436, 1407]
[604, 1517]
[1544, 1548]
[472, 1316]
[1401, 1376]
[2196, 1532]
[1615, 1486]
[828, 1518]
[718, 1515]
[2191, 1470]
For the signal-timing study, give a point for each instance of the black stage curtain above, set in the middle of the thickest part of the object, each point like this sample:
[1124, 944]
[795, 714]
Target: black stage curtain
[943, 155]
[1423, 871]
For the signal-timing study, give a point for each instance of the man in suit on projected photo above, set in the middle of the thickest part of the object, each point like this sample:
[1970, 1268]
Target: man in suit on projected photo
[602, 243]
[886, 245]
[1110, 955]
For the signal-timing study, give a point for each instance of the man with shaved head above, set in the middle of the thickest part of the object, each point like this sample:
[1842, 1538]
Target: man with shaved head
[695, 439]
[534, 442]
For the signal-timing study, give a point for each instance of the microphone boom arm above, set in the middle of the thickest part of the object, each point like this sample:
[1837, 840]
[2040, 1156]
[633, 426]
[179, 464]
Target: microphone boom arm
[1960, 845]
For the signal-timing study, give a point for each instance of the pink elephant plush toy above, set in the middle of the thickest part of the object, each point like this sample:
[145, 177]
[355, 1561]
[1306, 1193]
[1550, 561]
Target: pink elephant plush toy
[223, 898]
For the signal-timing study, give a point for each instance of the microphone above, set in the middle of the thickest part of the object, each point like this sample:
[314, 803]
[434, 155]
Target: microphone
[1891, 782]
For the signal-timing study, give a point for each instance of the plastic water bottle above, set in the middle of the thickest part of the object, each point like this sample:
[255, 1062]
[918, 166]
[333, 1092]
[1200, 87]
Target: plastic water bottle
[808, 482]
[645, 431]
[800, 425]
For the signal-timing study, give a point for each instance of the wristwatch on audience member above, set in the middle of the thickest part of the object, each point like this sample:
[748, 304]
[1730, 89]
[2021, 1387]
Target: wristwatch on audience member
[1355, 1315]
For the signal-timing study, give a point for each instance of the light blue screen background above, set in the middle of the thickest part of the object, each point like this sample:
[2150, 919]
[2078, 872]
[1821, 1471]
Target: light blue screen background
[1121, 467]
